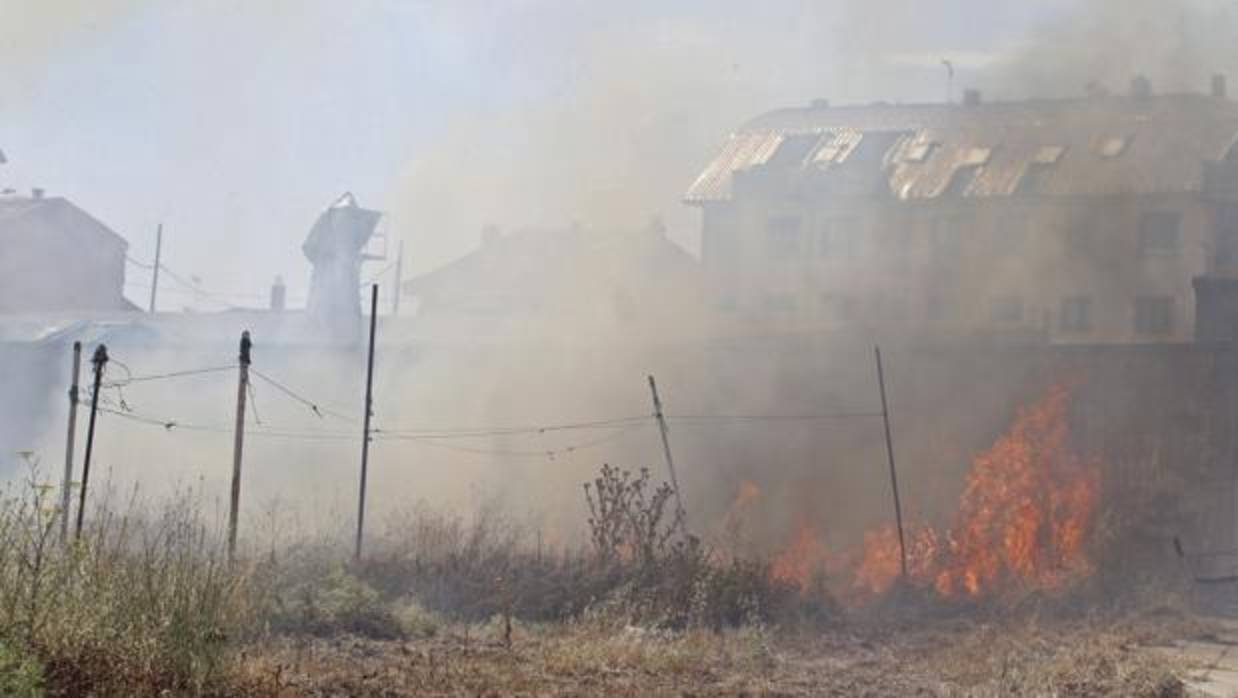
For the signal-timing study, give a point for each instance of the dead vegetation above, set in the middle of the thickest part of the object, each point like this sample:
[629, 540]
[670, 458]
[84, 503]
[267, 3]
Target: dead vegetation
[147, 604]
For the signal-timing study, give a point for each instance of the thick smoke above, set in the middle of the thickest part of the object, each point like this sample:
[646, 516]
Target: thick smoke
[604, 121]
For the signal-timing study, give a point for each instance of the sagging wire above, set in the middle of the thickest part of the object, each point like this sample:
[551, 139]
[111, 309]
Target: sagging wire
[253, 402]
[549, 453]
[462, 433]
[701, 418]
[321, 412]
[166, 376]
[173, 424]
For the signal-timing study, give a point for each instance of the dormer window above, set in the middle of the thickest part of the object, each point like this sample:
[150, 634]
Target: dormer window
[919, 152]
[977, 157]
[1049, 154]
[794, 150]
[1113, 146]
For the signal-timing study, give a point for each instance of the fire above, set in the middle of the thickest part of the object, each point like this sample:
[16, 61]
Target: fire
[1023, 518]
[1026, 508]
[881, 564]
[802, 560]
[746, 495]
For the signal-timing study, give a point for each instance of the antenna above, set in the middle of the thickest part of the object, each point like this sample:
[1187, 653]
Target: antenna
[949, 80]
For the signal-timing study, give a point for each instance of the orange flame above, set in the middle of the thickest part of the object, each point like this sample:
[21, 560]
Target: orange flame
[1023, 517]
[802, 560]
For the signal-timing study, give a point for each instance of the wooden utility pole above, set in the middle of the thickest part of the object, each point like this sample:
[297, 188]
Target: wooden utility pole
[898, 507]
[369, 412]
[154, 284]
[399, 280]
[65, 485]
[242, 388]
[681, 516]
[99, 360]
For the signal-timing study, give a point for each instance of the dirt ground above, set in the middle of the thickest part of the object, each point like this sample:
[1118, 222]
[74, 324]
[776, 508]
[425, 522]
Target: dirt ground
[954, 657]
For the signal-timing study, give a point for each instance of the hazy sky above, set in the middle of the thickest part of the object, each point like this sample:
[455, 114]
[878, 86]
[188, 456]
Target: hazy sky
[234, 123]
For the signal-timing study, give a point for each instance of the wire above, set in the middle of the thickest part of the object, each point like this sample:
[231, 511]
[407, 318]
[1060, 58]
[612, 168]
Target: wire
[550, 453]
[163, 376]
[195, 288]
[253, 402]
[453, 433]
[314, 407]
[771, 417]
[139, 265]
[173, 424]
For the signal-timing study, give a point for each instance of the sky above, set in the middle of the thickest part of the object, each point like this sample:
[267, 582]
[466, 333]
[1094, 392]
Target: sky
[234, 123]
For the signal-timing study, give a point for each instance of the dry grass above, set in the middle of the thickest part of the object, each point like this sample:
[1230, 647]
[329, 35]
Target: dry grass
[147, 605]
[593, 657]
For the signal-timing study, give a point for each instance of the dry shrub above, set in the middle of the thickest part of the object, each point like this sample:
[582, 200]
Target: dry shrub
[143, 603]
[640, 566]
[671, 578]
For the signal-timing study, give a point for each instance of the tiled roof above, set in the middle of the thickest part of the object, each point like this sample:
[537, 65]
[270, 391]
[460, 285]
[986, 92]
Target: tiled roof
[1080, 147]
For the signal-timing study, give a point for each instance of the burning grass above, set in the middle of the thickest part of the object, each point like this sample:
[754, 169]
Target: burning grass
[1024, 525]
[146, 604]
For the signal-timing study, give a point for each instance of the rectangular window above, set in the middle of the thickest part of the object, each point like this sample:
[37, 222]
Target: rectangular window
[784, 237]
[794, 149]
[1158, 233]
[780, 302]
[1007, 309]
[837, 238]
[1154, 315]
[1076, 315]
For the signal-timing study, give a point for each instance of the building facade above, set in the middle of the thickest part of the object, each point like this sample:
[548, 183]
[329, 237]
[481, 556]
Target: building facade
[1069, 221]
[55, 257]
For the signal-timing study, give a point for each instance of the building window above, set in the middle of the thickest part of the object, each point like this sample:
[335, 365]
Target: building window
[1154, 315]
[944, 236]
[1007, 309]
[1076, 315]
[794, 150]
[838, 306]
[784, 237]
[780, 302]
[837, 238]
[1158, 233]
[962, 180]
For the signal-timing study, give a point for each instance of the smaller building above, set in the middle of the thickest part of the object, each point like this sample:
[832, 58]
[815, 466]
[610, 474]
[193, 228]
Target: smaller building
[55, 257]
[575, 283]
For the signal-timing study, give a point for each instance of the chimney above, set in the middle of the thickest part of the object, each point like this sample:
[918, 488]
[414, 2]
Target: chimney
[36, 193]
[1141, 87]
[1220, 88]
[971, 98]
[279, 295]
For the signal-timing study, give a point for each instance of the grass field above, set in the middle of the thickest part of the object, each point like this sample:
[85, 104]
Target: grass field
[147, 603]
